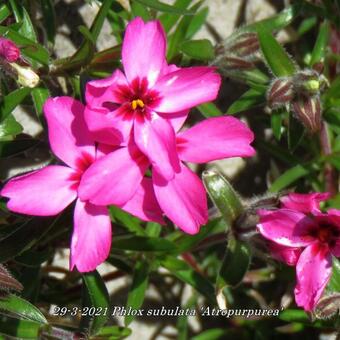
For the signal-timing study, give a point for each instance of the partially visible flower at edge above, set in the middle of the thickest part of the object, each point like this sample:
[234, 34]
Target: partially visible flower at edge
[9, 50]
[48, 191]
[304, 236]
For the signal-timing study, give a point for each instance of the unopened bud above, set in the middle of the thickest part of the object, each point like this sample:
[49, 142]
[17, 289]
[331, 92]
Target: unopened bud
[245, 44]
[328, 306]
[8, 282]
[26, 76]
[308, 111]
[309, 82]
[235, 63]
[9, 50]
[280, 93]
[223, 195]
[318, 67]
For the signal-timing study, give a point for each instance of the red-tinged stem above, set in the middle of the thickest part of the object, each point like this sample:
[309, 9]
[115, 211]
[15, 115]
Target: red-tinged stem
[190, 260]
[211, 240]
[329, 171]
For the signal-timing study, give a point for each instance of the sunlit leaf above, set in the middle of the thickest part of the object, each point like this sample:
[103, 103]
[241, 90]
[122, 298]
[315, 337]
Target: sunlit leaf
[289, 177]
[137, 290]
[95, 295]
[318, 54]
[209, 110]
[9, 127]
[276, 57]
[198, 49]
[12, 100]
[21, 308]
[169, 21]
[139, 243]
[163, 7]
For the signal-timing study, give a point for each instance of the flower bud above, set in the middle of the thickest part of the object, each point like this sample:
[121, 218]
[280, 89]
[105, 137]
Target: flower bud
[309, 82]
[245, 44]
[9, 50]
[328, 306]
[223, 195]
[8, 282]
[280, 93]
[308, 111]
[235, 63]
[26, 76]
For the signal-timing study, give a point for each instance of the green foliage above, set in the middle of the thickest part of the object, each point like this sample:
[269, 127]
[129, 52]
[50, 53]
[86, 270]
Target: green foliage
[95, 295]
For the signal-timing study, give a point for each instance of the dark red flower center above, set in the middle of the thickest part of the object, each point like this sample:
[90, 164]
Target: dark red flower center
[326, 233]
[83, 163]
[137, 97]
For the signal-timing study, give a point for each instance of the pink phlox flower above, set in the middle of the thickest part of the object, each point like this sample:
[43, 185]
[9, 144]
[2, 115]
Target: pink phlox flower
[150, 101]
[113, 178]
[48, 191]
[305, 237]
[9, 50]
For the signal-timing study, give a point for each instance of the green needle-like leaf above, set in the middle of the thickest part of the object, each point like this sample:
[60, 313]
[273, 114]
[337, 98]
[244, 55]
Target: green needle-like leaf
[95, 295]
[276, 57]
[138, 288]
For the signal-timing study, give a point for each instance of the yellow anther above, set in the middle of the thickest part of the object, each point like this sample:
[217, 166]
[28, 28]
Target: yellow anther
[137, 102]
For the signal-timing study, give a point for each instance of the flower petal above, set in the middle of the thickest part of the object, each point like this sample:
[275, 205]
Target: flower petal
[313, 271]
[305, 203]
[183, 199]
[143, 50]
[185, 88]
[143, 203]
[69, 137]
[44, 192]
[104, 90]
[9, 50]
[335, 249]
[113, 179]
[223, 137]
[91, 238]
[286, 227]
[157, 140]
[109, 127]
[177, 119]
[284, 254]
[332, 217]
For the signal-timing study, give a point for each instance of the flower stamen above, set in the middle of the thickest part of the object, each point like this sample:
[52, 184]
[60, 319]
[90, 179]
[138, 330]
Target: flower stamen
[137, 103]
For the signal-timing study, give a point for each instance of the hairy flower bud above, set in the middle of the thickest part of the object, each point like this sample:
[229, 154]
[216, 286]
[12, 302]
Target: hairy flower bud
[223, 195]
[245, 44]
[308, 111]
[236, 55]
[235, 63]
[309, 82]
[8, 282]
[328, 306]
[9, 50]
[26, 76]
[280, 92]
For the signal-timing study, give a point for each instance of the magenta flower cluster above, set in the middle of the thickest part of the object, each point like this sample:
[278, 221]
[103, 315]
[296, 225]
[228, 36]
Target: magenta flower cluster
[130, 124]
